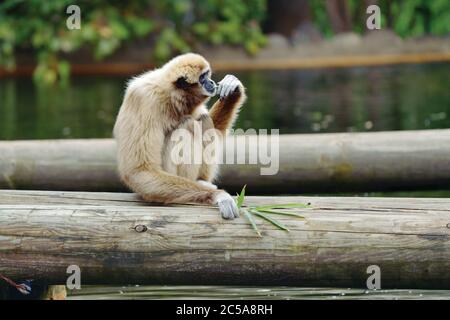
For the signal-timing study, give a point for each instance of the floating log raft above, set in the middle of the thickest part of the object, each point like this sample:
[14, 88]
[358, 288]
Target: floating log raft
[117, 239]
[307, 163]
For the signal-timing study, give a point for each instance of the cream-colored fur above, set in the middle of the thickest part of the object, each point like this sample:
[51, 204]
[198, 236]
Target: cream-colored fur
[153, 107]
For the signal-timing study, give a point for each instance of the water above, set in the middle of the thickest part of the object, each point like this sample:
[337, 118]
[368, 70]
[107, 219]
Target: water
[402, 97]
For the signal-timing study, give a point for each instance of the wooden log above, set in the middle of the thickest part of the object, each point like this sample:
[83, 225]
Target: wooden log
[308, 163]
[241, 64]
[42, 233]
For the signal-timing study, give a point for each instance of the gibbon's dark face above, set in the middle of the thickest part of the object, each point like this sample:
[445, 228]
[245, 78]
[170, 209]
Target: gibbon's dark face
[206, 85]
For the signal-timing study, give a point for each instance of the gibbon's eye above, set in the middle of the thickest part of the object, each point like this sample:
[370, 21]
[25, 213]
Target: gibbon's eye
[203, 77]
[181, 83]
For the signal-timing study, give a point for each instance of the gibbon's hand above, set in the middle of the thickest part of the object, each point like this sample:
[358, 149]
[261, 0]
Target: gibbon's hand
[228, 85]
[227, 206]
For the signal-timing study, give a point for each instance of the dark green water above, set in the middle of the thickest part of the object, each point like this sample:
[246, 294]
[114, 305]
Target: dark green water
[401, 97]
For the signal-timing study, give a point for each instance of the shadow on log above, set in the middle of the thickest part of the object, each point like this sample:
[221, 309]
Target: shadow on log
[307, 163]
[42, 233]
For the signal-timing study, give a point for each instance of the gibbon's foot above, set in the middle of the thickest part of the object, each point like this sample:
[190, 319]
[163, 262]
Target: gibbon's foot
[227, 206]
[228, 85]
[207, 184]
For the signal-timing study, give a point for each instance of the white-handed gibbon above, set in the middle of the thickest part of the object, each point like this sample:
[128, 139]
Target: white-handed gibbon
[163, 100]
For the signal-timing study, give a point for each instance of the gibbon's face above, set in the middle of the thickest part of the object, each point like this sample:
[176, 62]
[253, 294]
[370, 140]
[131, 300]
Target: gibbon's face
[202, 85]
[190, 75]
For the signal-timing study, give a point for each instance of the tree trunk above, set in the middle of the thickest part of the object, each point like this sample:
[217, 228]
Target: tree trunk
[339, 14]
[399, 160]
[289, 18]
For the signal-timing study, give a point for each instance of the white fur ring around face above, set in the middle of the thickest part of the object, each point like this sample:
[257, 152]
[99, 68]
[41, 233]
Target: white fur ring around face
[227, 85]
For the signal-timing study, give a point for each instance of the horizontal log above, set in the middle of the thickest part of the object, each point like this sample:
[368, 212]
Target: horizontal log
[43, 232]
[398, 160]
[242, 64]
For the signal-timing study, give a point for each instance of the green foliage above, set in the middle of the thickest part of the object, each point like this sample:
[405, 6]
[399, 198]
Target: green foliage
[173, 27]
[320, 16]
[418, 17]
[211, 22]
[41, 26]
[408, 17]
[229, 29]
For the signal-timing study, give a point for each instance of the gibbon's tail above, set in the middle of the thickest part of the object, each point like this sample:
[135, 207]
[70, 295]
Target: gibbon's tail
[155, 185]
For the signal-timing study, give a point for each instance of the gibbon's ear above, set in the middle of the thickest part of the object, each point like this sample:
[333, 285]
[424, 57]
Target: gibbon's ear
[182, 83]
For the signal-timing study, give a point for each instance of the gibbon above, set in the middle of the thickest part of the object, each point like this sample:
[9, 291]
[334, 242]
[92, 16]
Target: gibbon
[156, 104]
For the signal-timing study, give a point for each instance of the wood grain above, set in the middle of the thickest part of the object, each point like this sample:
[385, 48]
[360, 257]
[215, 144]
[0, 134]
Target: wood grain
[42, 233]
[307, 163]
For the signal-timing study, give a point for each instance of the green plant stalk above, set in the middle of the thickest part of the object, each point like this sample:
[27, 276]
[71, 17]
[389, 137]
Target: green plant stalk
[283, 206]
[273, 221]
[252, 221]
[282, 213]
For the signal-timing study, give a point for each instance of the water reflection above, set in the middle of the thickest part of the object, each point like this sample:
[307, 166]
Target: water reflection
[402, 97]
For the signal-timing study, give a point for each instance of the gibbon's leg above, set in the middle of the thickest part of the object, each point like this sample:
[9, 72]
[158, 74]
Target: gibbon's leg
[208, 168]
[168, 164]
[155, 185]
[232, 96]
[204, 173]
[190, 169]
[207, 184]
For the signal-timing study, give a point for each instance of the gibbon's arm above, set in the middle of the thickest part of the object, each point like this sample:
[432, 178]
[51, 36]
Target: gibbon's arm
[232, 96]
[156, 185]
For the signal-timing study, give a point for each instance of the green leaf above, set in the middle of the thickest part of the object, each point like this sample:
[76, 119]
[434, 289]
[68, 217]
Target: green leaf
[273, 221]
[252, 221]
[64, 69]
[282, 212]
[201, 28]
[142, 27]
[240, 198]
[119, 30]
[283, 206]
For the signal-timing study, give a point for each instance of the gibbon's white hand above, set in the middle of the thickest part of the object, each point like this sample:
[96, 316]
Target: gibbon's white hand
[227, 206]
[228, 85]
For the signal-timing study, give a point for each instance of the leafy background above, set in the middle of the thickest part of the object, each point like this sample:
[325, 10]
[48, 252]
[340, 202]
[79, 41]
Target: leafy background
[173, 26]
